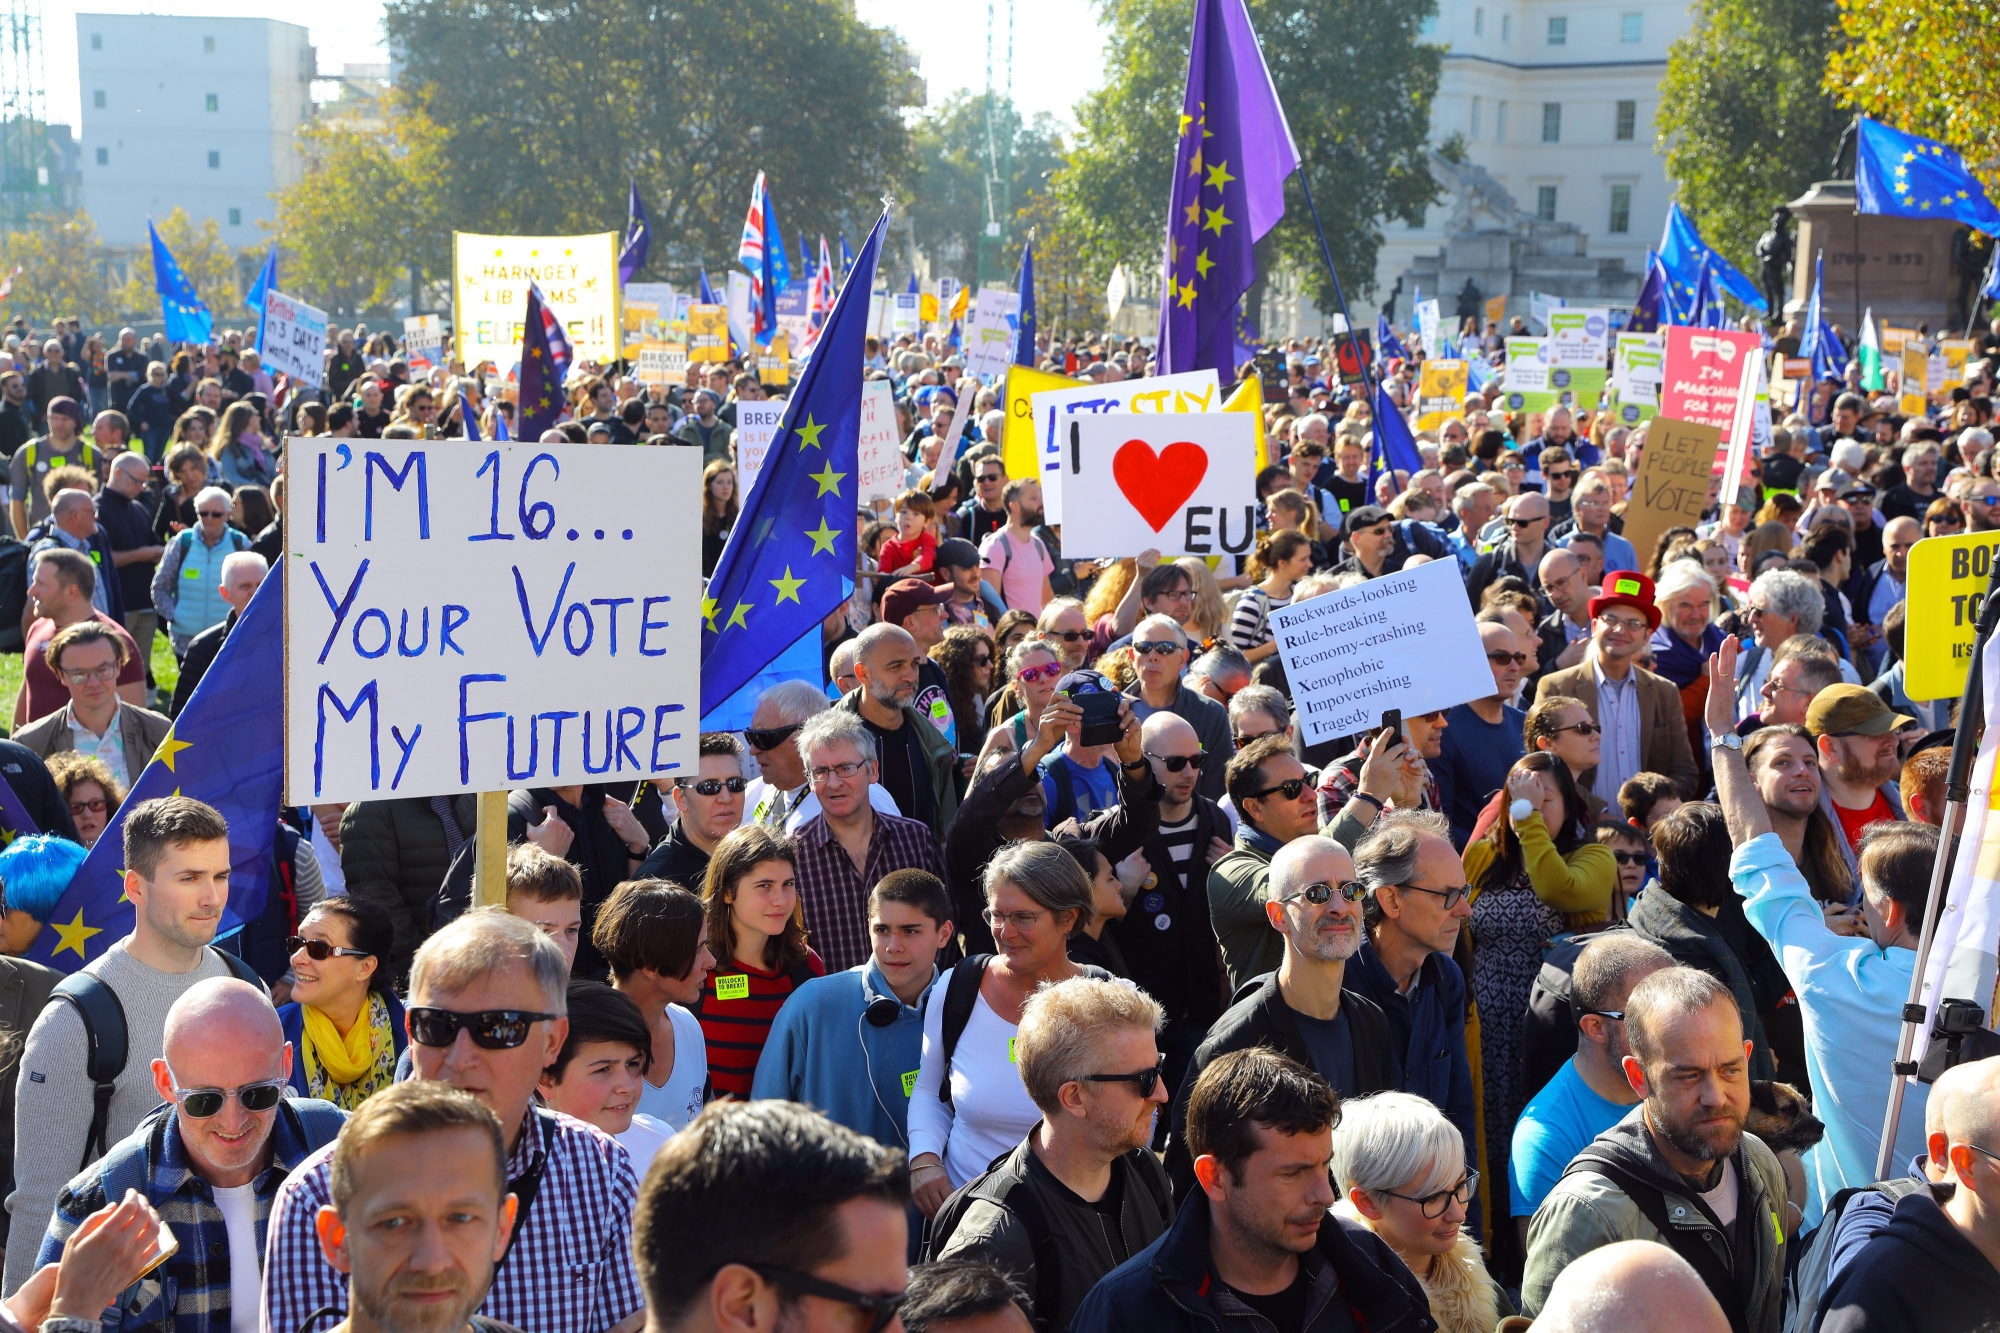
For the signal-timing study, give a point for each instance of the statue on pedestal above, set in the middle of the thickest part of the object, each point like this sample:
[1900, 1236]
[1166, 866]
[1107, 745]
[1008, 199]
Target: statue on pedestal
[1774, 253]
[1471, 303]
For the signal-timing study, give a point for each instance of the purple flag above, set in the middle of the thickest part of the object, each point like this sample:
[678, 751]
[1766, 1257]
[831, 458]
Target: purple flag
[1234, 152]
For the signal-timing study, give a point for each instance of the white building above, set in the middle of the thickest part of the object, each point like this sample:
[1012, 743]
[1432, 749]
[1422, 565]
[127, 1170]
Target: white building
[1554, 98]
[195, 113]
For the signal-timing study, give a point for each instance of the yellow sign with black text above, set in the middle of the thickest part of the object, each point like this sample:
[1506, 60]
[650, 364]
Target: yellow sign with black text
[1947, 586]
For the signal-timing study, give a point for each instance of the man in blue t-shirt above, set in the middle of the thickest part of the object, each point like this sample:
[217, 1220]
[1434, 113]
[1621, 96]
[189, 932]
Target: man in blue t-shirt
[1590, 1094]
[1482, 739]
[1080, 780]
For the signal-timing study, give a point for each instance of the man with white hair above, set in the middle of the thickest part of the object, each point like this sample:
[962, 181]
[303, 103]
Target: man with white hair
[1475, 504]
[242, 574]
[1781, 603]
[1911, 496]
[487, 1014]
[1083, 1192]
[1300, 1010]
[781, 783]
[187, 584]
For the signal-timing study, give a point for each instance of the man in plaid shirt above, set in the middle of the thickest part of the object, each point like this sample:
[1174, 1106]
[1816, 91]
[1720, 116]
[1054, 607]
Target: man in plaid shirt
[486, 1016]
[209, 1161]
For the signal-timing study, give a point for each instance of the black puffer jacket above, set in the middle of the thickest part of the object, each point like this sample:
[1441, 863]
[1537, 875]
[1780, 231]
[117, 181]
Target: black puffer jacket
[394, 853]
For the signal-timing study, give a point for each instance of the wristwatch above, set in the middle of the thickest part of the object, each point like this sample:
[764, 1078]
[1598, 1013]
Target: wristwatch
[1728, 740]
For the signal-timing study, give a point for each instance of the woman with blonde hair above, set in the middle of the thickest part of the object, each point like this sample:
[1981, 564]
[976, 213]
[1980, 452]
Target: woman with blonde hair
[1210, 617]
[1765, 537]
[1400, 1168]
[756, 927]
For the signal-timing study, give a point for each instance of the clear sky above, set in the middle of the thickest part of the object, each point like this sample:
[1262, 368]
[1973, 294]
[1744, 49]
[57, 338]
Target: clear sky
[1057, 46]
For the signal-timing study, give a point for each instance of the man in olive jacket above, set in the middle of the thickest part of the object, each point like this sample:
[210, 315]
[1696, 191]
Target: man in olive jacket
[396, 852]
[1680, 1169]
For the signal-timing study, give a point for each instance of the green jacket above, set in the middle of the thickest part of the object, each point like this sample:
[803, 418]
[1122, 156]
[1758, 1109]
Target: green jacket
[1587, 1210]
[939, 755]
[1238, 884]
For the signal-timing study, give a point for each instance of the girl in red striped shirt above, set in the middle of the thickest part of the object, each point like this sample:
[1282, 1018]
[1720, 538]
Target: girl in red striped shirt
[757, 929]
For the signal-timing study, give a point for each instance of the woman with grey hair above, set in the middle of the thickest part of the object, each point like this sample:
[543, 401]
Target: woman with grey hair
[969, 1105]
[1400, 1168]
[1781, 603]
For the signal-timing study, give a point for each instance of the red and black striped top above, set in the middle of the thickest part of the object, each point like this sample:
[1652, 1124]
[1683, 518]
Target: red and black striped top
[738, 1005]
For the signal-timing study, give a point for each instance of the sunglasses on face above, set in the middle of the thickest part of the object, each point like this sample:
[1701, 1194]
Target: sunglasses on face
[1629, 858]
[1143, 1082]
[1069, 635]
[319, 950]
[1581, 729]
[490, 1029]
[770, 738]
[211, 513]
[1290, 789]
[1523, 522]
[1503, 659]
[1155, 649]
[1034, 675]
[95, 807]
[1178, 762]
[1319, 895]
[881, 1310]
[204, 1103]
[714, 786]
[1559, 476]
[1242, 741]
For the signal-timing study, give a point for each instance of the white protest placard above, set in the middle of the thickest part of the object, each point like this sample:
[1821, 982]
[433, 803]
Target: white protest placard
[490, 276]
[905, 314]
[1114, 292]
[881, 461]
[662, 364]
[660, 294]
[1540, 307]
[1527, 370]
[548, 640]
[989, 332]
[756, 425]
[1637, 365]
[423, 339]
[1430, 326]
[737, 298]
[1579, 336]
[1190, 391]
[294, 341]
[1403, 641]
[1182, 484]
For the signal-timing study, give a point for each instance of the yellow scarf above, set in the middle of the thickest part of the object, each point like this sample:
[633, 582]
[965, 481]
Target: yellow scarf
[344, 1059]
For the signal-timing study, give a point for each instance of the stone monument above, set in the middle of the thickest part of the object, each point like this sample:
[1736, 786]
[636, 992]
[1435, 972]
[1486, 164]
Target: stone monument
[1904, 269]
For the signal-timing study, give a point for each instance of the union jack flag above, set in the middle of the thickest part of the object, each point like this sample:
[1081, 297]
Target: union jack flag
[762, 254]
[819, 299]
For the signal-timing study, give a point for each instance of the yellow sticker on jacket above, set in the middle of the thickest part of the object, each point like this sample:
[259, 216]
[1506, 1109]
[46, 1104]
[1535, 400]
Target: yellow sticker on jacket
[733, 987]
[910, 1083]
[1010, 1052]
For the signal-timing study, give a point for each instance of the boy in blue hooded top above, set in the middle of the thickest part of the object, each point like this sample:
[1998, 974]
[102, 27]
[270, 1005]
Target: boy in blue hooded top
[868, 1018]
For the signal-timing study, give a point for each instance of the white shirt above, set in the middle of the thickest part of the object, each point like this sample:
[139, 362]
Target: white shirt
[1722, 1199]
[642, 1141]
[108, 748]
[990, 1111]
[238, 1205]
[678, 1100]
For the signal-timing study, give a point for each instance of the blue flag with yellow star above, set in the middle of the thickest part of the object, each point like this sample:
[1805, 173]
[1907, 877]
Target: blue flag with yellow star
[790, 559]
[1681, 253]
[1907, 175]
[1234, 152]
[545, 358]
[227, 748]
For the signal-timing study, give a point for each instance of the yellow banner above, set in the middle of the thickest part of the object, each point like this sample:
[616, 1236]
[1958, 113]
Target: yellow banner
[1018, 451]
[774, 363]
[490, 276]
[1948, 577]
[1496, 309]
[1440, 393]
[927, 308]
[1249, 397]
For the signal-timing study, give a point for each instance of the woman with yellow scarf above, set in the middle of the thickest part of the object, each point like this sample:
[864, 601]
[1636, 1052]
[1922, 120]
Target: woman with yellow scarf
[344, 1023]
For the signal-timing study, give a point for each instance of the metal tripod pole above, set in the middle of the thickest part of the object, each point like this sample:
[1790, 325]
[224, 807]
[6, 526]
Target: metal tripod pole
[1964, 744]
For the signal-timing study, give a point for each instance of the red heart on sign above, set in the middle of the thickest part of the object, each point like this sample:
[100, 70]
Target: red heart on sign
[1158, 484]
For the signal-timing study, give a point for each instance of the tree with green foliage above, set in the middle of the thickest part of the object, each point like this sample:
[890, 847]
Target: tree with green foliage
[61, 272]
[545, 108]
[947, 189]
[1743, 122]
[1356, 79]
[202, 254]
[1915, 64]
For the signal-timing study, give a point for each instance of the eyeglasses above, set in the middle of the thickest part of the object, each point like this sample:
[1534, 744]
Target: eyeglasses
[107, 672]
[1022, 921]
[1434, 1205]
[841, 771]
[1319, 895]
[1163, 649]
[1176, 763]
[1580, 728]
[1504, 659]
[770, 738]
[203, 1103]
[714, 786]
[96, 807]
[881, 1309]
[319, 950]
[211, 513]
[1452, 897]
[1144, 1081]
[1984, 1152]
[1525, 522]
[1290, 789]
[1629, 858]
[490, 1029]
[1622, 625]
[1558, 476]
[1068, 635]
[1242, 741]
[1032, 675]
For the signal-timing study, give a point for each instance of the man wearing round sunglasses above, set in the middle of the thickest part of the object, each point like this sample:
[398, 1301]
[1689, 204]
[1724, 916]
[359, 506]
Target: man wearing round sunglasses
[1314, 911]
[486, 1015]
[227, 1122]
[1088, 1059]
[706, 807]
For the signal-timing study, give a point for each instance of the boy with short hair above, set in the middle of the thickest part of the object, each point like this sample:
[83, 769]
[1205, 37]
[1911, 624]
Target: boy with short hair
[913, 550]
[546, 892]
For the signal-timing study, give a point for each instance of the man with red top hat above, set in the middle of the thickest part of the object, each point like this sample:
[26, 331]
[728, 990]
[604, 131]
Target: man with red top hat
[1638, 712]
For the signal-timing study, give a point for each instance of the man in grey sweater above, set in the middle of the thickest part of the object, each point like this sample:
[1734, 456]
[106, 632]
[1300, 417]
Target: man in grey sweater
[177, 876]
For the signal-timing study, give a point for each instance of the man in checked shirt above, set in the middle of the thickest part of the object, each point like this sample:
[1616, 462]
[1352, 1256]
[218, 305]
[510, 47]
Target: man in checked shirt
[486, 1016]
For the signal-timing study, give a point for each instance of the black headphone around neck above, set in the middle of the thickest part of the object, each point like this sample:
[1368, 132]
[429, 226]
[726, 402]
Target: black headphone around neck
[882, 1011]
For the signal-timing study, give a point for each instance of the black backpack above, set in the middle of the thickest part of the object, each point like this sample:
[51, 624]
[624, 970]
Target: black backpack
[961, 996]
[13, 593]
[106, 1041]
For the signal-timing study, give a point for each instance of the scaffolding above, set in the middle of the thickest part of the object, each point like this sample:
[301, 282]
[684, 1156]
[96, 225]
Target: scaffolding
[27, 182]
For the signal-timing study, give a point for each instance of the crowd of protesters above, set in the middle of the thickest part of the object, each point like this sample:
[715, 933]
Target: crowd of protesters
[1573, 1003]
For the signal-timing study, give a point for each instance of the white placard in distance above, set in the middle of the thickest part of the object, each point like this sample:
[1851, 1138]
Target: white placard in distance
[881, 461]
[1405, 641]
[1181, 484]
[294, 339]
[756, 423]
[547, 638]
[1191, 391]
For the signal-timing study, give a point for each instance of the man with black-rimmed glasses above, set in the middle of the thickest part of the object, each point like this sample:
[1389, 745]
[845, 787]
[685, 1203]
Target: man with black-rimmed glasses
[487, 1015]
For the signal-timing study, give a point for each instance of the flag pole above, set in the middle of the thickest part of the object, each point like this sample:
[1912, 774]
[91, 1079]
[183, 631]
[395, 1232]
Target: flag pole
[1979, 297]
[1957, 791]
[1376, 453]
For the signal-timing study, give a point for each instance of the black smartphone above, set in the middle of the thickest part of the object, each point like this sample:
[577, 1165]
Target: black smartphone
[1392, 721]
[1100, 718]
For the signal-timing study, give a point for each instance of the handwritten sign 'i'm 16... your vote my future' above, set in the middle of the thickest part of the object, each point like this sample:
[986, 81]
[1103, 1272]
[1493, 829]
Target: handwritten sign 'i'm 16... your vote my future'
[460, 617]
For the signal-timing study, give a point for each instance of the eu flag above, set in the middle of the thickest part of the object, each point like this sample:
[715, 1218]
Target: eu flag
[545, 358]
[1024, 340]
[1653, 306]
[1821, 346]
[1681, 253]
[790, 557]
[227, 748]
[1386, 340]
[1234, 152]
[186, 314]
[638, 237]
[1395, 447]
[1909, 176]
[707, 294]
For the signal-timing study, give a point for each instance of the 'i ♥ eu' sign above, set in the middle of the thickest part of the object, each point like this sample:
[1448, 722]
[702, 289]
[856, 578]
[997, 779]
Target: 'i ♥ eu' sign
[1179, 484]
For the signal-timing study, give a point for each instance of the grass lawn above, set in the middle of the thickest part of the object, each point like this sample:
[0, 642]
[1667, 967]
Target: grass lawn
[165, 672]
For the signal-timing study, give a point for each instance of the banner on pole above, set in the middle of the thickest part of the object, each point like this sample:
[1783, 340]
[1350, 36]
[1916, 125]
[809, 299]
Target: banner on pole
[294, 339]
[1190, 391]
[490, 276]
[708, 333]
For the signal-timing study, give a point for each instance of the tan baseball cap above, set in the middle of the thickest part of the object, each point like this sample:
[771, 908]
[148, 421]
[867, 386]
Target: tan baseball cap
[1852, 710]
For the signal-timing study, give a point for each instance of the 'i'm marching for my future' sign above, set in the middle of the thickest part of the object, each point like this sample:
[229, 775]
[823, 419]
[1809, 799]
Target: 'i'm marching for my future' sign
[459, 619]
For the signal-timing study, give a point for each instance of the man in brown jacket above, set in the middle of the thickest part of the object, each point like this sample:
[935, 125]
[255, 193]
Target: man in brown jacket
[1638, 712]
